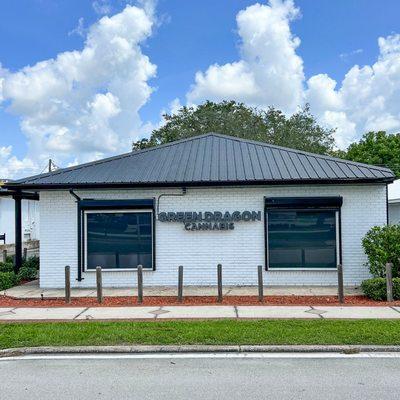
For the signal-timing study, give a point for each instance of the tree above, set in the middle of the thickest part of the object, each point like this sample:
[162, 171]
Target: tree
[377, 148]
[300, 131]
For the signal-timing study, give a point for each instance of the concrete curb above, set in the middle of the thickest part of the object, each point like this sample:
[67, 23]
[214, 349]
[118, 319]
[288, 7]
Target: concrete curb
[347, 349]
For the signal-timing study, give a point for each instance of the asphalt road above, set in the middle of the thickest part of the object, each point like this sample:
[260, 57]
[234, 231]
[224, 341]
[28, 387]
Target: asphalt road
[200, 378]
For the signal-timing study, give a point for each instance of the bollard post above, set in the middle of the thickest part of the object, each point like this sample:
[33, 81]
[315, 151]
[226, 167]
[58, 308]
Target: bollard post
[25, 256]
[99, 285]
[219, 278]
[67, 284]
[140, 284]
[180, 283]
[389, 282]
[340, 283]
[260, 284]
[4, 255]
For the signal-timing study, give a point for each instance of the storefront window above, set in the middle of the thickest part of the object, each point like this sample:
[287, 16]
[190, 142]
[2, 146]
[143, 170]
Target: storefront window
[118, 239]
[302, 239]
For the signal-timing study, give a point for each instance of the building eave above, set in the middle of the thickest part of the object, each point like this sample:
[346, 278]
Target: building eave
[129, 185]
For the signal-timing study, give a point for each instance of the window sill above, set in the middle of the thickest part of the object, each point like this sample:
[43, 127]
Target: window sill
[119, 270]
[303, 269]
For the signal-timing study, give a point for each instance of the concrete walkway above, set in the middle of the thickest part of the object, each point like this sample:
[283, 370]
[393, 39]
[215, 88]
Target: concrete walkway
[32, 290]
[197, 312]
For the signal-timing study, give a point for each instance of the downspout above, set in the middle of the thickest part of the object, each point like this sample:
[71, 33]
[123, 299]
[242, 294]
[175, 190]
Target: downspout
[387, 204]
[79, 235]
[18, 231]
[74, 195]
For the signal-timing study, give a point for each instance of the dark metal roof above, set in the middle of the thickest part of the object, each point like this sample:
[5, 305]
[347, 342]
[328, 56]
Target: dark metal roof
[210, 159]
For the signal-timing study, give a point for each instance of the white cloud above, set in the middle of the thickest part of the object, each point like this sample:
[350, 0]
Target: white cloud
[350, 54]
[11, 165]
[3, 73]
[269, 71]
[174, 106]
[368, 97]
[80, 29]
[84, 104]
[102, 7]
[5, 152]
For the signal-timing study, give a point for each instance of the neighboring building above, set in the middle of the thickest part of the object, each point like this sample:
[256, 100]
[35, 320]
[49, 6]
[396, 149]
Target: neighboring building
[30, 218]
[394, 202]
[206, 200]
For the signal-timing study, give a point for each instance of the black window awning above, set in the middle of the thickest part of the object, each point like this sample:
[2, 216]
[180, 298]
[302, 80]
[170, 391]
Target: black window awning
[303, 202]
[88, 204]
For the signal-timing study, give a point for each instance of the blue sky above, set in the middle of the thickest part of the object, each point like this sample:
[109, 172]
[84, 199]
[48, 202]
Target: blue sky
[191, 36]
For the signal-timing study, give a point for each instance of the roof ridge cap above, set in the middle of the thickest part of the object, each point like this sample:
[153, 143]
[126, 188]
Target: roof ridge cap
[296, 151]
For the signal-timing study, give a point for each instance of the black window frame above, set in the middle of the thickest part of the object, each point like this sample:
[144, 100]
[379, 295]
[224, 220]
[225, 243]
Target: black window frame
[111, 205]
[325, 203]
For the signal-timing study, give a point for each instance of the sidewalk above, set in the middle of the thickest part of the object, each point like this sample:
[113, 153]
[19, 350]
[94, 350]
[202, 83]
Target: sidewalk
[196, 312]
[32, 290]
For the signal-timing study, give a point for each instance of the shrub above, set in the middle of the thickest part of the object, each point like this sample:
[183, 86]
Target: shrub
[27, 274]
[31, 262]
[7, 280]
[6, 267]
[382, 245]
[375, 288]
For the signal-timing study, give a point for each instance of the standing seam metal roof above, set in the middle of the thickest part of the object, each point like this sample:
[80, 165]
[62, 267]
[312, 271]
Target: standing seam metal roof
[210, 159]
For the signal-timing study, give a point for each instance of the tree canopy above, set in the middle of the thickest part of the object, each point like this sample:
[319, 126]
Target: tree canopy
[299, 131]
[377, 148]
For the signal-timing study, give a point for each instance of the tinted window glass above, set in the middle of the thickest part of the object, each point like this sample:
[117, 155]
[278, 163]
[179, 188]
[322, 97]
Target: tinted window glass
[302, 239]
[119, 240]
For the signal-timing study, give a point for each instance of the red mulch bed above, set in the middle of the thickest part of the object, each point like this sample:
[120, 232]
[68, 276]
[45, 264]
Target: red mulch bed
[6, 301]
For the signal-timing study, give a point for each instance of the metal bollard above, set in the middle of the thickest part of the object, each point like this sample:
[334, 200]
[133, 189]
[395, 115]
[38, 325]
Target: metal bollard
[67, 284]
[340, 283]
[99, 285]
[180, 283]
[389, 282]
[140, 284]
[25, 256]
[260, 284]
[219, 278]
[4, 255]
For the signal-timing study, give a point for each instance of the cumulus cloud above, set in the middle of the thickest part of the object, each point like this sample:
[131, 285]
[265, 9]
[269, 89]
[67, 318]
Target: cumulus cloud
[269, 71]
[367, 98]
[11, 165]
[84, 104]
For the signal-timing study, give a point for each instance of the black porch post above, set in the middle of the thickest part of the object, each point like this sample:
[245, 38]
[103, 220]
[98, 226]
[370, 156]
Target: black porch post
[18, 233]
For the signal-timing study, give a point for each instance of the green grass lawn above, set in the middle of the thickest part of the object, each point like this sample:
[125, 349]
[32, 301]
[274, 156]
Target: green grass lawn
[384, 332]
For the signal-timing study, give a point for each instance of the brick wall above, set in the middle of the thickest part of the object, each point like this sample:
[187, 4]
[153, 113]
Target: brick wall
[239, 250]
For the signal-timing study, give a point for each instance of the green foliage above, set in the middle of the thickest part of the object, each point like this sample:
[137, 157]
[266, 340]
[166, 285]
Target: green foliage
[375, 288]
[299, 131]
[382, 245]
[376, 148]
[31, 263]
[27, 274]
[7, 280]
[6, 267]
[10, 259]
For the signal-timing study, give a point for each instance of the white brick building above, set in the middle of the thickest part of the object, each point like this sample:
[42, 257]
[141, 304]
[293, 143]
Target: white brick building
[208, 200]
